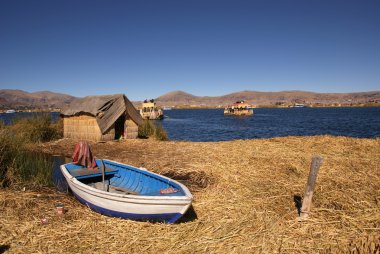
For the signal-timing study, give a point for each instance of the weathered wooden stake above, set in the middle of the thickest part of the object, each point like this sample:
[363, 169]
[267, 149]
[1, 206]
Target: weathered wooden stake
[306, 203]
[103, 176]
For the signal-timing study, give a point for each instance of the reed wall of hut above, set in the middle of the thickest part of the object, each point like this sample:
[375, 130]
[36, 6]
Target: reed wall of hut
[131, 129]
[85, 127]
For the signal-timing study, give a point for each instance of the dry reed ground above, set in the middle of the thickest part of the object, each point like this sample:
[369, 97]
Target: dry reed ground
[243, 199]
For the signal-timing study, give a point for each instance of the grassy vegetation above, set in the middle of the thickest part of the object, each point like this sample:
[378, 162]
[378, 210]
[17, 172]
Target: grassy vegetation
[38, 128]
[151, 130]
[17, 164]
[8, 151]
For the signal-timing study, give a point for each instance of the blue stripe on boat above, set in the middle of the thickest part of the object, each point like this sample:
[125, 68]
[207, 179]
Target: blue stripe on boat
[163, 217]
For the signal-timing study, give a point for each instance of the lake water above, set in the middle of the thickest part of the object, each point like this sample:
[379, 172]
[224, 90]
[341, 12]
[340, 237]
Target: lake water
[8, 118]
[212, 125]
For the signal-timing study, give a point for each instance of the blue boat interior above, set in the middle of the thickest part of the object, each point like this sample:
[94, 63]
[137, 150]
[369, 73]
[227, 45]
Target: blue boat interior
[125, 179]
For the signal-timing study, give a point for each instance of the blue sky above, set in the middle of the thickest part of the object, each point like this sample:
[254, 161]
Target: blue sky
[211, 47]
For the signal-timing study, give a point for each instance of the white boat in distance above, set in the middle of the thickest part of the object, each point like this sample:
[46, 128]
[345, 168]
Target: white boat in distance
[298, 105]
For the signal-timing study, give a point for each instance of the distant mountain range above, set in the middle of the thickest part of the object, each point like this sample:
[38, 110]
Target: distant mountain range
[268, 98]
[18, 99]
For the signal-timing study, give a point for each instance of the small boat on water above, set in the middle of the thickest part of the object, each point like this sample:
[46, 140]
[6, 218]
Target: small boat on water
[299, 105]
[128, 192]
[10, 111]
[239, 108]
[150, 111]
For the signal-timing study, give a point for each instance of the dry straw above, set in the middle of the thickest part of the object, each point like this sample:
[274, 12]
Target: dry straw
[244, 195]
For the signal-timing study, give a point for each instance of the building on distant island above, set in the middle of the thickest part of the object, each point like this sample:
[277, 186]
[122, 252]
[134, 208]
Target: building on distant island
[101, 118]
[150, 111]
[239, 108]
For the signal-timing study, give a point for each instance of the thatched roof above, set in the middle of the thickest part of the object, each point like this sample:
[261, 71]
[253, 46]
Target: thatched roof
[106, 108]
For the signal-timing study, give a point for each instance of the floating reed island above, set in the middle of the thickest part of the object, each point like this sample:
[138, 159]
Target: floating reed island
[245, 195]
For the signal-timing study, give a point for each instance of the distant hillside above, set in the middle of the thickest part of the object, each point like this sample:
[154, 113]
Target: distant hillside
[18, 99]
[177, 98]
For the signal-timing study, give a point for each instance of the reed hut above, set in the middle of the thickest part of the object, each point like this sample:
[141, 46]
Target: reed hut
[101, 118]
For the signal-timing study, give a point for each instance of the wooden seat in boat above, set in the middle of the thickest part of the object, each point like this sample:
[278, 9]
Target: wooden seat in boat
[87, 173]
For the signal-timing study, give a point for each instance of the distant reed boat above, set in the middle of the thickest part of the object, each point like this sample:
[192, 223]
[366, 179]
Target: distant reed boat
[299, 105]
[239, 108]
[150, 111]
[127, 192]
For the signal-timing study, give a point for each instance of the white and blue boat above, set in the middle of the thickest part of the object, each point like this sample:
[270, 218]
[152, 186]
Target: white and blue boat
[128, 192]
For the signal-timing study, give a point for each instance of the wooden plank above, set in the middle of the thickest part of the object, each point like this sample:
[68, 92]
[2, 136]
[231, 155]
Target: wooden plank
[314, 168]
[103, 175]
[90, 172]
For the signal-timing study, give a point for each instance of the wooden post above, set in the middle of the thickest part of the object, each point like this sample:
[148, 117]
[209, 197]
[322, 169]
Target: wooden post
[306, 203]
[103, 175]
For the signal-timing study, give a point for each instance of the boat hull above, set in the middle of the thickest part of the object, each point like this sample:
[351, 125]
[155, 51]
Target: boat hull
[238, 113]
[158, 217]
[166, 209]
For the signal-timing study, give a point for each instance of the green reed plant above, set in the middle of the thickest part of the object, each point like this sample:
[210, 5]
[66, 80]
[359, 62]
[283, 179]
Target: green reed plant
[160, 133]
[149, 129]
[33, 169]
[35, 129]
[17, 164]
[8, 152]
[146, 129]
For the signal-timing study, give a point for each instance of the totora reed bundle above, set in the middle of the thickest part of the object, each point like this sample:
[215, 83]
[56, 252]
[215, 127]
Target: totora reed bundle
[244, 200]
